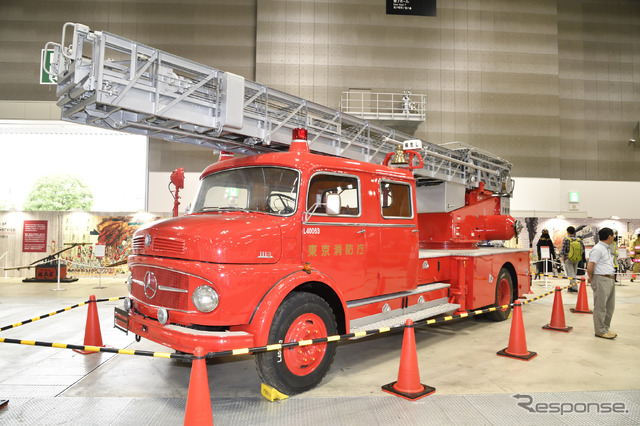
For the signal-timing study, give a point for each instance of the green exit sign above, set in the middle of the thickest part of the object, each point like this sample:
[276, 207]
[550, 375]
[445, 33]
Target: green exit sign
[574, 197]
[45, 64]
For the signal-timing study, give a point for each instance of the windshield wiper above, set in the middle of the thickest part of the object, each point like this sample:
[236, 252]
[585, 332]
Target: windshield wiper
[220, 209]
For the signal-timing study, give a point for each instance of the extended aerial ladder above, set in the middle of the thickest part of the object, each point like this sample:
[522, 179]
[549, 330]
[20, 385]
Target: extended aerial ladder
[108, 81]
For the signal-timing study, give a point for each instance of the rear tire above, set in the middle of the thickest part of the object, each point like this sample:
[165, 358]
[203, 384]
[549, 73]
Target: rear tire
[504, 296]
[301, 316]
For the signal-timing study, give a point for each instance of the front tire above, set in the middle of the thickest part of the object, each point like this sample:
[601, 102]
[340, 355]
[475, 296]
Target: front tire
[504, 296]
[301, 316]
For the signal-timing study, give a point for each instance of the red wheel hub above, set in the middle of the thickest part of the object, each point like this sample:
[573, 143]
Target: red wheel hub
[504, 293]
[302, 360]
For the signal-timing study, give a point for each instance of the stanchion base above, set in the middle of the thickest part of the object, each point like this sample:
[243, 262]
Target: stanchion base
[411, 396]
[565, 329]
[575, 311]
[55, 280]
[58, 289]
[527, 357]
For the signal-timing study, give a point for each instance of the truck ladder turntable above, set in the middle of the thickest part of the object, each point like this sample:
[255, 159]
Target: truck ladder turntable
[108, 81]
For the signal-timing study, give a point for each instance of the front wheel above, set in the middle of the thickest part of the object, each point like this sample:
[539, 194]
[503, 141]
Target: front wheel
[504, 296]
[301, 316]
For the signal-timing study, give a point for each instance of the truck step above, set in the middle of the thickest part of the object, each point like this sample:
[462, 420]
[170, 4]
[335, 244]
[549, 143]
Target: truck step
[402, 316]
[421, 289]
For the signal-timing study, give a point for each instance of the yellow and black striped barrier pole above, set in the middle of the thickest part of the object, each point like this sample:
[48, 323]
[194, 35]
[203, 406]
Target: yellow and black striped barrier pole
[257, 349]
[97, 349]
[359, 334]
[18, 324]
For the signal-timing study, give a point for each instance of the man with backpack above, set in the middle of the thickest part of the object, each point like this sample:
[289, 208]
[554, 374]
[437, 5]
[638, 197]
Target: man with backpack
[572, 253]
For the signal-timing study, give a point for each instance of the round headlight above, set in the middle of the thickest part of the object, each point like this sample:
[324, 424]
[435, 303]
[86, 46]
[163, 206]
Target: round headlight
[205, 298]
[163, 316]
[128, 304]
[129, 282]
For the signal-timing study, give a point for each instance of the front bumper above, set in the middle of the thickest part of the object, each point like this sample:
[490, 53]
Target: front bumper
[180, 338]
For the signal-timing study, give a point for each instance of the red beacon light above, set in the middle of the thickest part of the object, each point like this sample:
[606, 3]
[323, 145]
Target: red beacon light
[299, 134]
[299, 140]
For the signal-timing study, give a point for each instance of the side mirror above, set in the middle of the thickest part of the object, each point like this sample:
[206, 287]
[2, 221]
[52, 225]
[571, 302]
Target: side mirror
[333, 204]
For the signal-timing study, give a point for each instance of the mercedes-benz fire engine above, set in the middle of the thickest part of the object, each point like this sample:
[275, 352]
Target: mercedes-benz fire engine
[344, 226]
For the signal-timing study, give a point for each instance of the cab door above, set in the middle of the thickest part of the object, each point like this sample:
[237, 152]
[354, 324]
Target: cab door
[336, 244]
[398, 237]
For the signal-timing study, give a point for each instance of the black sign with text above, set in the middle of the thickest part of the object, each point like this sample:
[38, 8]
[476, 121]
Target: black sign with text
[411, 7]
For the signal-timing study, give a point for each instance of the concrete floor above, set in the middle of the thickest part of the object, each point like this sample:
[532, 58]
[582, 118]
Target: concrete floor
[473, 385]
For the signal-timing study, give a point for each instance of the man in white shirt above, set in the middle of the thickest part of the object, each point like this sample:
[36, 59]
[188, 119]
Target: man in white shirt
[601, 276]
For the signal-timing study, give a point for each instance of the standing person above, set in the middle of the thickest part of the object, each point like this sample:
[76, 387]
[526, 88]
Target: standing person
[634, 254]
[546, 266]
[572, 253]
[601, 276]
[614, 252]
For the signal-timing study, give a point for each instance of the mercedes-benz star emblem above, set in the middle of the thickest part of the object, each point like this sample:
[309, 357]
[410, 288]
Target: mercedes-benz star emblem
[147, 240]
[150, 284]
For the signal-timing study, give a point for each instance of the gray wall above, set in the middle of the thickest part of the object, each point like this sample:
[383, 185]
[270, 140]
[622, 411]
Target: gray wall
[218, 33]
[599, 81]
[551, 85]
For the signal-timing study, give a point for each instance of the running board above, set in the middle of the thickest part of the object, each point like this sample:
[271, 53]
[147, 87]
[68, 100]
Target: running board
[421, 289]
[400, 316]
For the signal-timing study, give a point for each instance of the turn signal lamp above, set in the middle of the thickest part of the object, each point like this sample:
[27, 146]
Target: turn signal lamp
[307, 267]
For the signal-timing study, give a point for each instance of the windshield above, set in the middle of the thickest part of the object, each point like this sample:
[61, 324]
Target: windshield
[271, 190]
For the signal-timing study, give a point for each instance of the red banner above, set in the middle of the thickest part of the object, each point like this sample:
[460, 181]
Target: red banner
[34, 236]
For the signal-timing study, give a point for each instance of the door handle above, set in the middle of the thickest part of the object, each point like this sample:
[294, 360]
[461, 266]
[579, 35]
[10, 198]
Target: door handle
[362, 231]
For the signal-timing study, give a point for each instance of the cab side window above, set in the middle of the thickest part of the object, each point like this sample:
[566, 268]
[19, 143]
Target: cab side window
[395, 199]
[346, 186]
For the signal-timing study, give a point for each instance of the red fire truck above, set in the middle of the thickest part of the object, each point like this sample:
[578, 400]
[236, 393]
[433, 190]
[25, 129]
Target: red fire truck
[337, 225]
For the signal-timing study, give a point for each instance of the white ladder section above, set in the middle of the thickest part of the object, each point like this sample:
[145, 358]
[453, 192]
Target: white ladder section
[108, 81]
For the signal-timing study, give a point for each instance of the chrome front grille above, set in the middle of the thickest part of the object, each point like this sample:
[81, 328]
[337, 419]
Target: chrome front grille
[171, 292]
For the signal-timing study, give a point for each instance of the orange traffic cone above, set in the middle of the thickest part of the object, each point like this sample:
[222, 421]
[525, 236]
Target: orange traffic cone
[557, 315]
[582, 305]
[517, 341]
[198, 410]
[92, 333]
[408, 385]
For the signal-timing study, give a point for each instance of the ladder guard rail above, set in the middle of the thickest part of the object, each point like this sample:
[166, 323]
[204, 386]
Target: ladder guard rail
[384, 106]
[108, 81]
